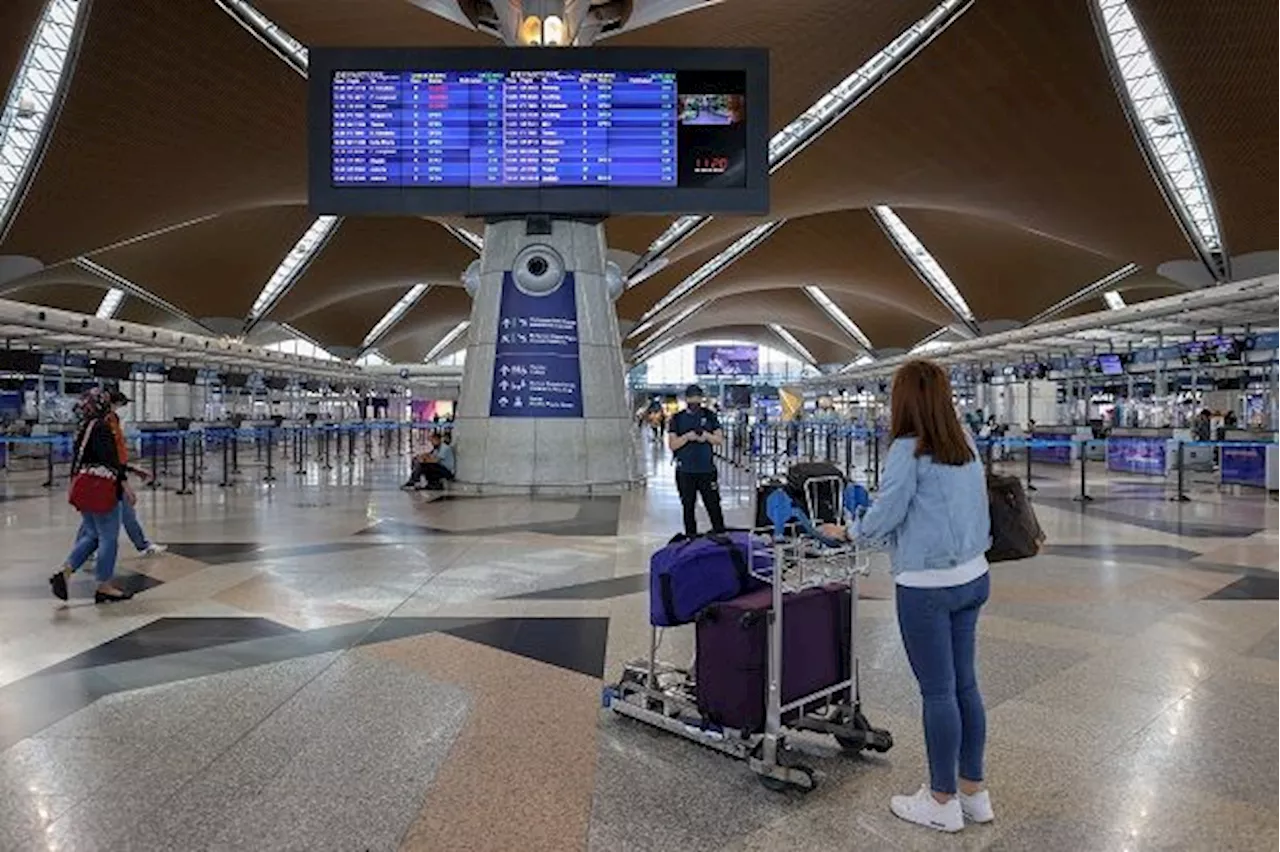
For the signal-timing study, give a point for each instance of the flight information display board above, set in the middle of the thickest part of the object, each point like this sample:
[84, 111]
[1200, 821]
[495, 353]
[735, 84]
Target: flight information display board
[509, 131]
[514, 128]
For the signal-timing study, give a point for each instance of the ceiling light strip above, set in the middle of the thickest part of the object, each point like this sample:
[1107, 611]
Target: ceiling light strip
[926, 267]
[34, 99]
[116, 281]
[441, 347]
[1161, 132]
[796, 346]
[288, 48]
[110, 303]
[473, 241]
[826, 112]
[839, 317]
[672, 323]
[291, 268]
[707, 271]
[393, 316]
[1086, 292]
[1113, 299]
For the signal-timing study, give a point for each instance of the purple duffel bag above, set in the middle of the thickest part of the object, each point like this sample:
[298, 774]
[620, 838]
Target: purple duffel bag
[731, 666]
[691, 573]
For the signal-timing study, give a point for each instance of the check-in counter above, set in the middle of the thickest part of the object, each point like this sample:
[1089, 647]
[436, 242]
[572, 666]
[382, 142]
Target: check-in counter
[1249, 458]
[1063, 454]
[1147, 451]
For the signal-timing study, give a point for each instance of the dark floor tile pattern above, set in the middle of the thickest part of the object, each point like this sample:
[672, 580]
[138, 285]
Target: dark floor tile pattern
[1248, 589]
[231, 552]
[597, 516]
[1172, 526]
[172, 636]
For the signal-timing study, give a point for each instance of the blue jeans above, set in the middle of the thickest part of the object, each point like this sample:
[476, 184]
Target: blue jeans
[939, 630]
[100, 532]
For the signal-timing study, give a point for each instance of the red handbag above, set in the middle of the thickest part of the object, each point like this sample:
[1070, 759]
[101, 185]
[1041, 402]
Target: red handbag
[94, 489]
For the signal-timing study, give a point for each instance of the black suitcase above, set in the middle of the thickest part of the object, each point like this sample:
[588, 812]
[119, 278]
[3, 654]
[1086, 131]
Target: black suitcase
[763, 490]
[827, 498]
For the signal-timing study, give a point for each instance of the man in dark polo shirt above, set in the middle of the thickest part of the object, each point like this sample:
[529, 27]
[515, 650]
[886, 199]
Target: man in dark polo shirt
[691, 435]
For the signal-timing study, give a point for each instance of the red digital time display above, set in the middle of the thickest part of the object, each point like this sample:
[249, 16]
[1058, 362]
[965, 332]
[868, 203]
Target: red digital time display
[711, 165]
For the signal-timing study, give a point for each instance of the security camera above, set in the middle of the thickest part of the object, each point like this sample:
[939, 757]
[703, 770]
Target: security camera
[538, 270]
[471, 278]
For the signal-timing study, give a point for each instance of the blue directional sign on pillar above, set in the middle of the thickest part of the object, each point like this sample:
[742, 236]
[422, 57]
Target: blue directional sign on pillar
[536, 371]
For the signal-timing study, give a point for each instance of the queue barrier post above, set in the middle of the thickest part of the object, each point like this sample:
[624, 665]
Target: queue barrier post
[1083, 496]
[271, 475]
[226, 464]
[48, 482]
[1027, 447]
[154, 482]
[183, 488]
[1181, 496]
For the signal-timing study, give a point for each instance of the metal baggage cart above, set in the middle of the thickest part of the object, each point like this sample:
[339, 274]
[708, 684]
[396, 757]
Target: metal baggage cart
[665, 696]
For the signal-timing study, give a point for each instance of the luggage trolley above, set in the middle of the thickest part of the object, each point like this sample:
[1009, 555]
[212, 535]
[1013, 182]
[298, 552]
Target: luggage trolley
[665, 696]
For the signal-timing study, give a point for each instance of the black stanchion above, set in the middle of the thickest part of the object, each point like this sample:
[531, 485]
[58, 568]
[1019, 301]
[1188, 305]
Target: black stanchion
[1083, 496]
[327, 434]
[848, 454]
[154, 482]
[183, 489]
[300, 449]
[197, 474]
[1181, 496]
[351, 448]
[1027, 447]
[271, 473]
[226, 465]
[875, 461]
[235, 450]
[871, 466]
[48, 482]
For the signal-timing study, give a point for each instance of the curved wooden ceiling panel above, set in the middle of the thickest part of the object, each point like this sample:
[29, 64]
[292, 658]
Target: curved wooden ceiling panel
[426, 324]
[345, 323]
[824, 351]
[840, 252]
[1220, 61]
[175, 112]
[1004, 272]
[1009, 114]
[214, 268]
[813, 44]
[368, 23]
[376, 254]
[65, 296]
[17, 22]
[790, 308]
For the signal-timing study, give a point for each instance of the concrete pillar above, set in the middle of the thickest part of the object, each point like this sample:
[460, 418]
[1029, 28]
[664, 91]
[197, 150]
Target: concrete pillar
[543, 405]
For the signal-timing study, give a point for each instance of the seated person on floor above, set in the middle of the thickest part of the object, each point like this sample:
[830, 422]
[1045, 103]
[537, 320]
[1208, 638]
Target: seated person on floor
[434, 466]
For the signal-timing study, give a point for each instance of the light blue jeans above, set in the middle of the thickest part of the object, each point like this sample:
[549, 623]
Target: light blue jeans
[100, 532]
[939, 630]
[132, 528]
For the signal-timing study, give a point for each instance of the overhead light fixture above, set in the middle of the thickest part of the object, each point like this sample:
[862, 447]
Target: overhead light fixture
[1113, 299]
[839, 317]
[553, 31]
[672, 323]
[791, 341]
[824, 113]
[110, 303]
[1161, 132]
[288, 48]
[926, 267]
[34, 95]
[391, 317]
[291, 268]
[531, 31]
[1086, 292]
[446, 341]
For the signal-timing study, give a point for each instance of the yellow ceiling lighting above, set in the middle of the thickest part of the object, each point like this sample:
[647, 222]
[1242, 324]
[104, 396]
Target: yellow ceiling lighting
[531, 31]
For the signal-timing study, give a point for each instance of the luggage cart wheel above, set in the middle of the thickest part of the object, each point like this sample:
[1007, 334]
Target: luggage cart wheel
[803, 780]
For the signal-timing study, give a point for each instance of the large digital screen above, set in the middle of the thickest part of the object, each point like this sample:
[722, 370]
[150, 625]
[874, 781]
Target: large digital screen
[1110, 364]
[505, 131]
[726, 360]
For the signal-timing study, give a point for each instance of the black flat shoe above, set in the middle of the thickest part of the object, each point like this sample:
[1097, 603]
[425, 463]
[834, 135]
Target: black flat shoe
[58, 583]
[108, 597]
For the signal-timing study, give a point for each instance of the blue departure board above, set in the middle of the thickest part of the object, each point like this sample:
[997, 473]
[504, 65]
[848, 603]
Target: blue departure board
[504, 128]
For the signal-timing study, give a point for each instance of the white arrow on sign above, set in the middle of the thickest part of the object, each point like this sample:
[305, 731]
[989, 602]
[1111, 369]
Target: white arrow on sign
[503, 385]
[506, 323]
[504, 369]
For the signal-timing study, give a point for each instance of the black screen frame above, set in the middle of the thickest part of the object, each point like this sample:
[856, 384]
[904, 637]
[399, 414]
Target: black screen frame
[326, 199]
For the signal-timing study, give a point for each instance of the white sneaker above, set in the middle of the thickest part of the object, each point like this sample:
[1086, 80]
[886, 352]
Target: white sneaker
[977, 808]
[155, 550]
[924, 809]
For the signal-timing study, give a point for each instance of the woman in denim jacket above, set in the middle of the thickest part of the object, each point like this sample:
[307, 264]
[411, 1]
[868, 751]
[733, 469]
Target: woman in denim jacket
[932, 512]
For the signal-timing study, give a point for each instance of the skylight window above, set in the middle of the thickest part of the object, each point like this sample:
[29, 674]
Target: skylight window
[372, 358]
[1162, 131]
[302, 348]
[293, 265]
[823, 114]
[707, 271]
[1113, 299]
[447, 341]
[286, 46]
[32, 100]
[391, 317]
[790, 339]
[672, 323]
[929, 270]
[838, 316]
[110, 303]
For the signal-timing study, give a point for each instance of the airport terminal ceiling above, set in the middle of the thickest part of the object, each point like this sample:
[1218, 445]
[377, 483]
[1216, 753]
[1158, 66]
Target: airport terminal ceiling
[1001, 151]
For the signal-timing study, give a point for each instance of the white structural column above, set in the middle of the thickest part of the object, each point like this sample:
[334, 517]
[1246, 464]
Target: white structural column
[516, 453]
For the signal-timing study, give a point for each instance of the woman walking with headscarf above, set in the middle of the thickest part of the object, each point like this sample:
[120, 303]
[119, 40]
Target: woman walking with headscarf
[96, 458]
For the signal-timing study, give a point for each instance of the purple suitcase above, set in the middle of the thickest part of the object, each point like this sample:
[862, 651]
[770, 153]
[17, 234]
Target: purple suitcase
[731, 668]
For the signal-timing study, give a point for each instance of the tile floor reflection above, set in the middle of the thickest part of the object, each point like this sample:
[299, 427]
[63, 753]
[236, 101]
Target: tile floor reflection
[331, 663]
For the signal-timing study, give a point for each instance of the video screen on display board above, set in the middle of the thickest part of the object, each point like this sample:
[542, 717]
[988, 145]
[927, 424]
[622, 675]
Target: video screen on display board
[1110, 365]
[490, 131]
[726, 360]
